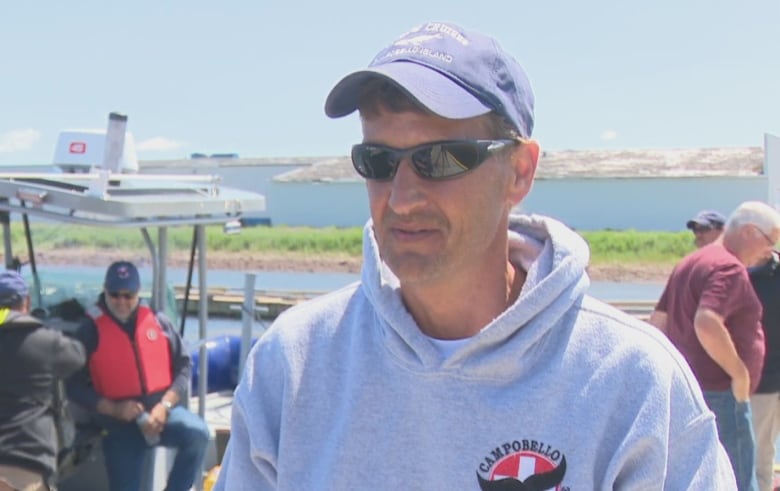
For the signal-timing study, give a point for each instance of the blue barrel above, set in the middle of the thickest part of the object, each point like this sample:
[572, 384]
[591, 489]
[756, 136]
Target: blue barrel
[222, 359]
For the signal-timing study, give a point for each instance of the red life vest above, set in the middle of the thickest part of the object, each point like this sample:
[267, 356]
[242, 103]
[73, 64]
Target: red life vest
[123, 368]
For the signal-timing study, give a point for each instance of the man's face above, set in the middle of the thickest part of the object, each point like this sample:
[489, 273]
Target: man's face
[703, 235]
[435, 231]
[121, 303]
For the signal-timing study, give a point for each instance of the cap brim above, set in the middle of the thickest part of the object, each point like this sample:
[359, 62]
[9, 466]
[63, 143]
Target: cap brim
[692, 223]
[437, 92]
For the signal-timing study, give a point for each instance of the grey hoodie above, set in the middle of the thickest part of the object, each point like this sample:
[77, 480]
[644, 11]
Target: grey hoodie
[560, 392]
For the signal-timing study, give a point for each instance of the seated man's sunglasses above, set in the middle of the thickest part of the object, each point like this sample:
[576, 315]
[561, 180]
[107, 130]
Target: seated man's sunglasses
[433, 161]
[123, 295]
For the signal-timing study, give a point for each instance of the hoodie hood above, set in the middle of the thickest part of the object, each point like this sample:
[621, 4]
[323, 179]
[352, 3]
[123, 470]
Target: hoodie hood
[555, 259]
[10, 319]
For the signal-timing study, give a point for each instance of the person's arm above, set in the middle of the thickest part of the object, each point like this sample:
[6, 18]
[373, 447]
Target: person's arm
[181, 368]
[696, 459]
[78, 385]
[240, 470]
[715, 339]
[68, 355]
[181, 364]
[251, 457]
[673, 442]
[658, 319]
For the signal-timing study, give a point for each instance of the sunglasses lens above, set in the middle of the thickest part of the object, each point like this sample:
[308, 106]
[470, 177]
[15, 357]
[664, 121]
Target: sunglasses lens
[444, 160]
[374, 162]
[126, 296]
[433, 161]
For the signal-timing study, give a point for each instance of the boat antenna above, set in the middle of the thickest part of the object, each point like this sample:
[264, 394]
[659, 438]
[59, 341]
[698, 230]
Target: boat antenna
[115, 142]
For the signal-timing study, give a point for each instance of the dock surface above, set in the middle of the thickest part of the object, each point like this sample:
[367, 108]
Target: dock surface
[227, 302]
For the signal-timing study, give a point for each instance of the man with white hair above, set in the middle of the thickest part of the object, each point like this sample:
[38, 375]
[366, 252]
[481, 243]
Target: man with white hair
[710, 311]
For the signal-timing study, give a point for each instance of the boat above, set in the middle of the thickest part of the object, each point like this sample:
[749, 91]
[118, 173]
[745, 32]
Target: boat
[95, 186]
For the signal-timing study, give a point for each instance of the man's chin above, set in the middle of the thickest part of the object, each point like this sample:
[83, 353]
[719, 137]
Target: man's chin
[412, 267]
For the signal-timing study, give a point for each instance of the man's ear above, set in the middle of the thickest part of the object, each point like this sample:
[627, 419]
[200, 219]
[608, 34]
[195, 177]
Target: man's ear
[524, 161]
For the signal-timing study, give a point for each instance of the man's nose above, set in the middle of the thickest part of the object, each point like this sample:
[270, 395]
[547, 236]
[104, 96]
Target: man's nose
[408, 190]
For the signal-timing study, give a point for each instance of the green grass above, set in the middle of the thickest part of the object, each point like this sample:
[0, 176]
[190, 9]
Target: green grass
[632, 246]
[304, 240]
[628, 246]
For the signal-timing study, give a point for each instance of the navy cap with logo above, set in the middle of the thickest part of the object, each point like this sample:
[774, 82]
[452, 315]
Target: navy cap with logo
[13, 288]
[455, 73]
[122, 275]
[708, 219]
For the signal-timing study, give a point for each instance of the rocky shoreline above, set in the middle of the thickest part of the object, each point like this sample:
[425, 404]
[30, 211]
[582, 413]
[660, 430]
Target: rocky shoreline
[306, 263]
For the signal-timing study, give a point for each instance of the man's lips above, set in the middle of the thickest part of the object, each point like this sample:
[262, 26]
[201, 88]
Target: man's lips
[411, 233]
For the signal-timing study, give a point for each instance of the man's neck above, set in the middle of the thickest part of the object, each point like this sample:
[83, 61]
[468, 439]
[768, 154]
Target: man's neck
[460, 309]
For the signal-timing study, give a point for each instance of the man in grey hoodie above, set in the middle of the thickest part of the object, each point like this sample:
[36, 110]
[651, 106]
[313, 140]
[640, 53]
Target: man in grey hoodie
[469, 356]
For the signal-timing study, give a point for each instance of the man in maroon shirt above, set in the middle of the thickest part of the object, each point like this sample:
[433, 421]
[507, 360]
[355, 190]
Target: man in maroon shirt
[712, 315]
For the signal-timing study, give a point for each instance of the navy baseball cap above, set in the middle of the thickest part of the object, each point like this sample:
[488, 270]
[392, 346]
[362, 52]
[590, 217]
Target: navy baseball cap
[454, 72]
[13, 288]
[707, 218]
[122, 275]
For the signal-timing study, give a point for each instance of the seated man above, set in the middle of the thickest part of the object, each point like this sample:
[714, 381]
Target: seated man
[137, 372]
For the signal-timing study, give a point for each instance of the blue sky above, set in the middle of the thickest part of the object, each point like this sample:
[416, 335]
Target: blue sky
[250, 77]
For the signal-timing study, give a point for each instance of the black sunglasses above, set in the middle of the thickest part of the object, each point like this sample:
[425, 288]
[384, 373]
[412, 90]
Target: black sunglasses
[433, 161]
[125, 295]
